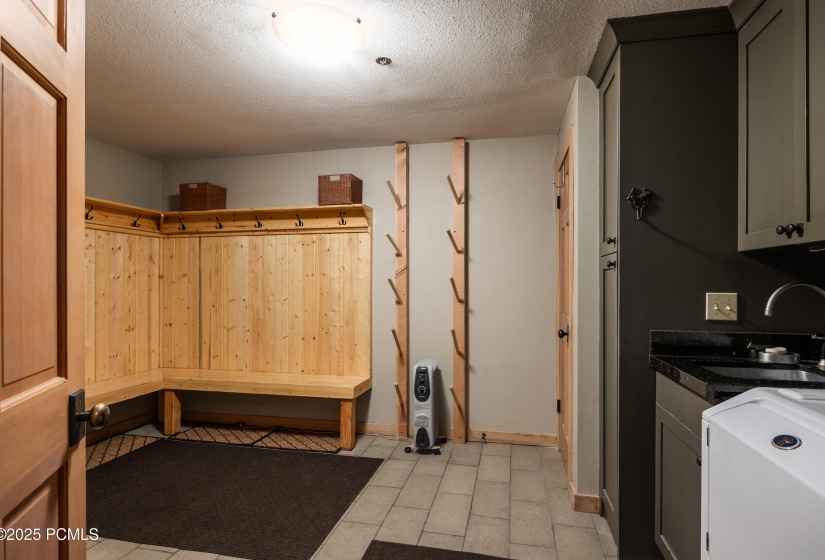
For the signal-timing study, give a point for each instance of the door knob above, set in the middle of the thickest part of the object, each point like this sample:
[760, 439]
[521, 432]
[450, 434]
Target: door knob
[562, 333]
[96, 417]
[79, 416]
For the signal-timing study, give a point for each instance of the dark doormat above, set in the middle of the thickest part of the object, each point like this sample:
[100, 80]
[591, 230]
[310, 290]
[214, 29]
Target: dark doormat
[380, 550]
[246, 502]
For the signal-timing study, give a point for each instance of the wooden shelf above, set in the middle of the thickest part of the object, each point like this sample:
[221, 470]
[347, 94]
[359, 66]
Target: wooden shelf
[103, 214]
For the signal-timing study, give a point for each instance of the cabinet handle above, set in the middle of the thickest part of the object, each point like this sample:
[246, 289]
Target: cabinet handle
[789, 229]
[611, 240]
[611, 264]
[699, 460]
[780, 230]
[562, 333]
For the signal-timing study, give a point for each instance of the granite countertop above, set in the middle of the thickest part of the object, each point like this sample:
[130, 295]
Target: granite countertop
[681, 355]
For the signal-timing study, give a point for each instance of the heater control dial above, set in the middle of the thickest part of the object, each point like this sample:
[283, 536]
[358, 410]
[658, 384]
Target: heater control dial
[422, 384]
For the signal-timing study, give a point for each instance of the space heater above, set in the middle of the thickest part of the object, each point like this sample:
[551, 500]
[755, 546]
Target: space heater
[425, 407]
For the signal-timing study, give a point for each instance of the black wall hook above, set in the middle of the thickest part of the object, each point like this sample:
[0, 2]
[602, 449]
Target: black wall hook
[135, 223]
[299, 223]
[343, 222]
[88, 212]
[182, 226]
[258, 223]
[639, 201]
[220, 225]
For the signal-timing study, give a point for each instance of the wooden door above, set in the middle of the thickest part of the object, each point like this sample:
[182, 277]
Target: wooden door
[42, 479]
[564, 303]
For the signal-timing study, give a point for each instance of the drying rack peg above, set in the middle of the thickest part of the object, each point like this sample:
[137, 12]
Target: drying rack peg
[395, 195]
[458, 249]
[455, 290]
[397, 342]
[395, 245]
[455, 343]
[458, 198]
[398, 392]
[457, 402]
[394, 289]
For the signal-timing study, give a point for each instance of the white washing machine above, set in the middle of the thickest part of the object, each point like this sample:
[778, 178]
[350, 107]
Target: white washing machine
[763, 476]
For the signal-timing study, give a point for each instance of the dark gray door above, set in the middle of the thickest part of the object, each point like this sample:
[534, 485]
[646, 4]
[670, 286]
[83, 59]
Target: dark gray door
[609, 147]
[610, 392]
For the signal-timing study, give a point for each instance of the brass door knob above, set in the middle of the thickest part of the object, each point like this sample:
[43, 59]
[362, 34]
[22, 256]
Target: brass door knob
[96, 417]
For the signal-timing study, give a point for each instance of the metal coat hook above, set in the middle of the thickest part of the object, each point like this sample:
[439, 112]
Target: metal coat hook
[182, 226]
[343, 222]
[299, 223]
[88, 212]
[220, 225]
[639, 201]
[258, 223]
[135, 223]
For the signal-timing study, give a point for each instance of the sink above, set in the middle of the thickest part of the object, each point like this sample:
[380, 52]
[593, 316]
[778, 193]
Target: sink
[766, 374]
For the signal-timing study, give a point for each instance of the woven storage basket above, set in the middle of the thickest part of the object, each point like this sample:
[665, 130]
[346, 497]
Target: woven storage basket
[202, 196]
[339, 189]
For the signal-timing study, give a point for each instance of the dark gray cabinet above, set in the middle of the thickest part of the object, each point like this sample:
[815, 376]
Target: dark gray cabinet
[678, 470]
[609, 148]
[781, 125]
[610, 391]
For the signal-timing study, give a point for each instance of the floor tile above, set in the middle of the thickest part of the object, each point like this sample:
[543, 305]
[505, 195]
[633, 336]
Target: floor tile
[385, 441]
[378, 451]
[529, 486]
[551, 459]
[605, 536]
[459, 479]
[437, 540]
[110, 549]
[555, 479]
[446, 446]
[229, 558]
[577, 543]
[498, 449]
[362, 442]
[562, 510]
[402, 455]
[531, 523]
[491, 499]
[155, 429]
[145, 554]
[373, 505]
[419, 491]
[392, 473]
[433, 465]
[347, 542]
[525, 458]
[524, 552]
[191, 555]
[90, 544]
[488, 535]
[494, 468]
[402, 525]
[467, 454]
[160, 548]
[449, 514]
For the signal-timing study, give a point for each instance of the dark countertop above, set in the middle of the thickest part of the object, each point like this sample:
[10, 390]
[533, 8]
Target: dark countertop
[681, 355]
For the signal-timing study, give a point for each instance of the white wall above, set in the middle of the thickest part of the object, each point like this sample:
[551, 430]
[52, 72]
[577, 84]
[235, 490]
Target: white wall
[582, 117]
[511, 283]
[121, 176]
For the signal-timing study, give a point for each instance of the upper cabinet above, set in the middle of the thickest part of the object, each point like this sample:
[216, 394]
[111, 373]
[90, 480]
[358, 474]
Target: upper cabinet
[782, 125]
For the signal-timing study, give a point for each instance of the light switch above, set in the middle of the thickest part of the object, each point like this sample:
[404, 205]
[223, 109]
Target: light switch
[721, 307]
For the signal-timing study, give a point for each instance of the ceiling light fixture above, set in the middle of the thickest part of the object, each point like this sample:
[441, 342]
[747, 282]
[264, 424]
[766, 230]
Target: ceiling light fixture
[383, 60]
[318, 32]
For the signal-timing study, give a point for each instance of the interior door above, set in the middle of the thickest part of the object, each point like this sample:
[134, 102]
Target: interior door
[564, 306]
[42, 478]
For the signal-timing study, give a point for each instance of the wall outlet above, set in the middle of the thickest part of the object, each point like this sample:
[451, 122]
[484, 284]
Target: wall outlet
[721, 307]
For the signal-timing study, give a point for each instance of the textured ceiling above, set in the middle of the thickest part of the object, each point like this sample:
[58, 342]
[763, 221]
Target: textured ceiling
[188, 79]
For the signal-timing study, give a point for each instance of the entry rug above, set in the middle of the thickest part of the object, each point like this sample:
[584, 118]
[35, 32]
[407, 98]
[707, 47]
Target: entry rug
[240, 501]
[276, 438]
[381, 550]
[114, 447]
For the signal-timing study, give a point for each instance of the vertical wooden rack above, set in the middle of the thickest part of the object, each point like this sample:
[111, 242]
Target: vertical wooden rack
[401, 287]
[458, 238]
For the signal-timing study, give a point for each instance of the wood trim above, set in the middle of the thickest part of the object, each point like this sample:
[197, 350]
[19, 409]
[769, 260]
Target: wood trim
[459, 235]
[113, 214]
[515, 438]
[584, 503]
[285, 422]
[116, 429]
[402, 284]
[118, 229]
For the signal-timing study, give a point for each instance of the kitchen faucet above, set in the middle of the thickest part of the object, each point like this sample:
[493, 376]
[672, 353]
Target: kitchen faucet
[782, 289]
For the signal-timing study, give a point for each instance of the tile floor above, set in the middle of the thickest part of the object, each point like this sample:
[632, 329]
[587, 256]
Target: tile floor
[497, 499]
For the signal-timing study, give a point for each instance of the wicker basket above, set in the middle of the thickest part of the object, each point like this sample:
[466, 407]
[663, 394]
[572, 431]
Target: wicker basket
[202, 196]
[339, 189]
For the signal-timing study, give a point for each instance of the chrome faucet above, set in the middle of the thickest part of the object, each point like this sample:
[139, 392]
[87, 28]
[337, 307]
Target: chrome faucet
[782, 289]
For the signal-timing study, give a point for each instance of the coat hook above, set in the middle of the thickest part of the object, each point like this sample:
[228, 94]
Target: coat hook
[455, 245]
[455, 343]
[258, 223]
[458, 199]
[457, 402]
[400, 396]
[135, 223]
[394, 289]
[88, 213]
[395, 245]
[299, 223]
[397, 342]
[220, 225]
[639, 201]
[455, 290]
[182, 226]
[395, 195]
[343, 222]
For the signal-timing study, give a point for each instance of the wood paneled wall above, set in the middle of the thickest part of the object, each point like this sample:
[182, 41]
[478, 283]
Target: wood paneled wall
[122, 304]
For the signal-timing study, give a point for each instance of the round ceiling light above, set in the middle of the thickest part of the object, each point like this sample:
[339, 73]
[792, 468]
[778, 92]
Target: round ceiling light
[318, 32]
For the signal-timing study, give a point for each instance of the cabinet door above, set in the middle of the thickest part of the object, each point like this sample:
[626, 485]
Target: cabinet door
[772, 125]
[610, 392]
[609, 147]
[816, 121]
[678, 488]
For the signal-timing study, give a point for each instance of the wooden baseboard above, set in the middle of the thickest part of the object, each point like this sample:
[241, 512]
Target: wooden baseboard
[584, 503]
[518, 438]
[115, 429]
[297, 423]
